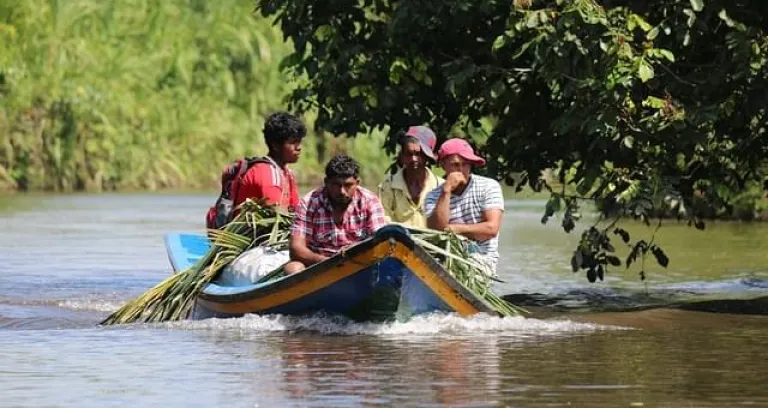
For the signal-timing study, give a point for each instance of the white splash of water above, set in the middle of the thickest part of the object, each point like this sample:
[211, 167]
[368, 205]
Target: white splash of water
[89, 305]
[431, 324]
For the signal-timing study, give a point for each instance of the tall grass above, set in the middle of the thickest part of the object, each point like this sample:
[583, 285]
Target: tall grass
[137, 94]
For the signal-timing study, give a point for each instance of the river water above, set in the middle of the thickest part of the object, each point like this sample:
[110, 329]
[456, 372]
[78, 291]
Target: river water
[690, 335]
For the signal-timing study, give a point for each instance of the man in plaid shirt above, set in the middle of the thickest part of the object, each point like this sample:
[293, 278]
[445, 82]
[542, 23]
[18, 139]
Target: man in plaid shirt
[333, 217]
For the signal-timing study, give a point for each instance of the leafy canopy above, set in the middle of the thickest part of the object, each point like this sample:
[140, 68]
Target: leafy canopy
[646, 107]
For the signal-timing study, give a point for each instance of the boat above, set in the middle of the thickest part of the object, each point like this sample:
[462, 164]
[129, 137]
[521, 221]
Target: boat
[388, 276]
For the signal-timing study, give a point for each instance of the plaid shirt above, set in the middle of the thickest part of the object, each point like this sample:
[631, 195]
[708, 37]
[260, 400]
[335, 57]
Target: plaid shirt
[314, 220]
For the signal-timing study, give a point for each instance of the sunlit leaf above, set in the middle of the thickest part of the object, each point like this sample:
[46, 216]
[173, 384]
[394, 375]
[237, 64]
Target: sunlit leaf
[697, 5]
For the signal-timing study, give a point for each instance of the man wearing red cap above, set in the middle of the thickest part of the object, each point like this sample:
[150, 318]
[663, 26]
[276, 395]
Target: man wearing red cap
[402, 194]
[467, 204]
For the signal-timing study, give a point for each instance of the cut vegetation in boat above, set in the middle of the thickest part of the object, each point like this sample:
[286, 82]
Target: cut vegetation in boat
[397, 273]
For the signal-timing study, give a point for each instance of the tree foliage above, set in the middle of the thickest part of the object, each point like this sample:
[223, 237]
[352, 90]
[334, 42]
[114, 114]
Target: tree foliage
[646, 107]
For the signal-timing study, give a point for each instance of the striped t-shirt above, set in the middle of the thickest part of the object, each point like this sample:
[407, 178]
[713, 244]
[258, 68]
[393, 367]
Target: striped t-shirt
[481, 194]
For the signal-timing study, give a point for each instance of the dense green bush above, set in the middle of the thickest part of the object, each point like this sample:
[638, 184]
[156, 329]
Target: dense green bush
[140, 94]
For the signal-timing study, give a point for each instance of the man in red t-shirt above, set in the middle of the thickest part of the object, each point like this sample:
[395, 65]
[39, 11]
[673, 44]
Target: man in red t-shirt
[272, 179]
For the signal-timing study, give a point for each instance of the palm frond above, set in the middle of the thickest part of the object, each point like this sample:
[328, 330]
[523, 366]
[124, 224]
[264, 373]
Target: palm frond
[173, 298]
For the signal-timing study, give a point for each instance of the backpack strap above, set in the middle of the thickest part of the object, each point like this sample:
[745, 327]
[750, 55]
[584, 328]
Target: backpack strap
[278, 170]
[246, 163]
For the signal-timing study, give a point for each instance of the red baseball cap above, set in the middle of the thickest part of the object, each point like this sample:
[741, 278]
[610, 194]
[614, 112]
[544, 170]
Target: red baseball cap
[462, 148]
[426, 137]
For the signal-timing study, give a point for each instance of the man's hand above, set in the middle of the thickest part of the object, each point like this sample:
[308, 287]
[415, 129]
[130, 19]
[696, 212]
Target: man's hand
[454, 181]
[299, 251]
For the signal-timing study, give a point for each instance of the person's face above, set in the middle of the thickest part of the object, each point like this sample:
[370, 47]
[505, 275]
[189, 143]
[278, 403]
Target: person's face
[411, 156]
[455, 163]
[341, 190]
[290, 151]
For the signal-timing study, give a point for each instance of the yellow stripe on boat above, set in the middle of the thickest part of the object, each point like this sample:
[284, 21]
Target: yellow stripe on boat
[349, 267]
[423, 271]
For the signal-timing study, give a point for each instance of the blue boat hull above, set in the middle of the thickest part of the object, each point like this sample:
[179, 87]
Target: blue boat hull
[387, 276]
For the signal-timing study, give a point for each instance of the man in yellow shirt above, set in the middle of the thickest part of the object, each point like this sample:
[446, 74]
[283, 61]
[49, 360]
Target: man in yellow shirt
[402, 194]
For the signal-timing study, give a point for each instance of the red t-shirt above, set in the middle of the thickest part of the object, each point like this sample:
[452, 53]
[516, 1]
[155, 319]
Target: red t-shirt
[265, 180]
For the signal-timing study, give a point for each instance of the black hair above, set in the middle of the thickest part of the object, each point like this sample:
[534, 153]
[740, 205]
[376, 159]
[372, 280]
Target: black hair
[342, 166]
[282, 127]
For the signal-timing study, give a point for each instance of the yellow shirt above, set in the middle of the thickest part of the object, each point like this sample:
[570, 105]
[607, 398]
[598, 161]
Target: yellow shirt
[398, 206]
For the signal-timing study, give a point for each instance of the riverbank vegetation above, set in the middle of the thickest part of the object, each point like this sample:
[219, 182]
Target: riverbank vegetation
[143, 94]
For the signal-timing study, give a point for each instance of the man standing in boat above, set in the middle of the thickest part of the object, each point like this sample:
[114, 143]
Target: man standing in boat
[402, 194]
[268, 177]
[333, 217]
[467, 204]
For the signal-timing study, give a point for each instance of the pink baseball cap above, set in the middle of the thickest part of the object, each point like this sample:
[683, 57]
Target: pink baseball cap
[426, 137]
[462, 148]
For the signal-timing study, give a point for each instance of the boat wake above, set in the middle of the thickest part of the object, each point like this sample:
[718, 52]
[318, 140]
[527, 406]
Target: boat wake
[91, 305]
[41, 315]
[428, 325]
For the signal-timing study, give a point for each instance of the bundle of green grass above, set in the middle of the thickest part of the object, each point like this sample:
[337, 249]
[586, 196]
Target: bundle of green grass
[257, 224]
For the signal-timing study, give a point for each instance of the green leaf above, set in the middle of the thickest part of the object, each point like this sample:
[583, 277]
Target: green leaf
[654, 102]
[613, 260]
[723, 15]
[666, 54]
[635, 19]
[661, 257]
[691, 16]
[396, 70]
[644, 71]
[499, 43]
[697, 5]
[653, 33]
[568, 224]
[553, 205]
[323, 32]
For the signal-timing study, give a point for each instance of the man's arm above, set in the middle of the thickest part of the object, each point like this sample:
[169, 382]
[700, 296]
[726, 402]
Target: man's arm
[493, 208]
[377, 217]
[301, 228]
[481, 231]
[439, 216]
[299, 251]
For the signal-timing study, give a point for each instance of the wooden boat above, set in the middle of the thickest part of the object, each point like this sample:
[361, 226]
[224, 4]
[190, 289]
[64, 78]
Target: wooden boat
[384, 277]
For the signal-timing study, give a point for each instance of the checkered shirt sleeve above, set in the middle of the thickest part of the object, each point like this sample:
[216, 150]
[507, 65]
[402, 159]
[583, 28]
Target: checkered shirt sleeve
[301, 225]
[377, 218]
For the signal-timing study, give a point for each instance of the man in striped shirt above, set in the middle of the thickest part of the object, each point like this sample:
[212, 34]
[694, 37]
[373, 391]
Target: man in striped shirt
[333, 217]
[467, 204]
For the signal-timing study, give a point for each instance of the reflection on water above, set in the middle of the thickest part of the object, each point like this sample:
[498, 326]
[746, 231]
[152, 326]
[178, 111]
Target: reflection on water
[67, 261]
